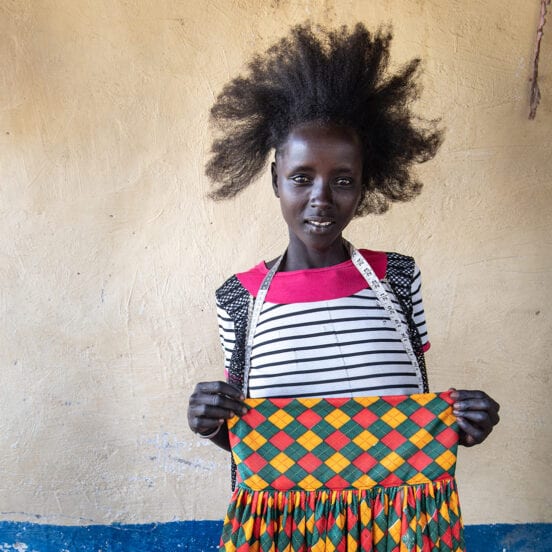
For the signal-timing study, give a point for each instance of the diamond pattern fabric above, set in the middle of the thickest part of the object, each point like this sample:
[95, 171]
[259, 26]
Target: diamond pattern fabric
[371, 473]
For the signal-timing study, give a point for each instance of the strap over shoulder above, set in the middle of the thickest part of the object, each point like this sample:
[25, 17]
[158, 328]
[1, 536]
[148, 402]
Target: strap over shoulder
[232, 296]
[236, 301]
[400, 274]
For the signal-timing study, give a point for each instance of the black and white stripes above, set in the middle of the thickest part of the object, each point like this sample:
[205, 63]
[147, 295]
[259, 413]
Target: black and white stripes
[338, 347]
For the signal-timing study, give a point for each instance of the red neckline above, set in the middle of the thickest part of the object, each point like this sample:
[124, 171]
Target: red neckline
[314, 284]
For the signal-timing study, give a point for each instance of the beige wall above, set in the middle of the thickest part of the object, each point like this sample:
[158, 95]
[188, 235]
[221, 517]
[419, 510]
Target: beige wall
[110, 253]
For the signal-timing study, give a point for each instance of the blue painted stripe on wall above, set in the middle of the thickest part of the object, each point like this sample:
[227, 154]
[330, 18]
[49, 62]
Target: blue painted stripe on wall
[202, 536]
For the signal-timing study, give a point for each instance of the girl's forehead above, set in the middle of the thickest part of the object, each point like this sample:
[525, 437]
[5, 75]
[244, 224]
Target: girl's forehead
[325, 139]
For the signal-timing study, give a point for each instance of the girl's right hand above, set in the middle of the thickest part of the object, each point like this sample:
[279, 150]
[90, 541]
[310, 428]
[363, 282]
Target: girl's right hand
[211, 404]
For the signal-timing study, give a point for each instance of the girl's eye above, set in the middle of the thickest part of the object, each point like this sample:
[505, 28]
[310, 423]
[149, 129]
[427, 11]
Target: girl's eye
[344, 182]
[300, 179]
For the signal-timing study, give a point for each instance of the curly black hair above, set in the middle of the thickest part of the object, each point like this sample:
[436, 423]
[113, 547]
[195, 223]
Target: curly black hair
[334, 77]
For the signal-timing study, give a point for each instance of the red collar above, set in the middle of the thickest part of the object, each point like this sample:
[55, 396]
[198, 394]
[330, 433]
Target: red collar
[314, 284]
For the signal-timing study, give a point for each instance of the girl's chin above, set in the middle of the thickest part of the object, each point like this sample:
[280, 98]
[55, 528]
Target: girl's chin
[320, 241]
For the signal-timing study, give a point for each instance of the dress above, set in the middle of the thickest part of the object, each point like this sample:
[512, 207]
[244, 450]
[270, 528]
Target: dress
[322, 335]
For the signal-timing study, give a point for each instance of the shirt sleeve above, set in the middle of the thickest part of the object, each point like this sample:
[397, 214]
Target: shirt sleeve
[418, 314]
[227, 336]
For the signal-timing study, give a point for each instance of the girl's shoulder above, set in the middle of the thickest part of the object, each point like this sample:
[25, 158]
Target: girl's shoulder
[400, 264]
[232, 295]
[236, 293]
[316, 284]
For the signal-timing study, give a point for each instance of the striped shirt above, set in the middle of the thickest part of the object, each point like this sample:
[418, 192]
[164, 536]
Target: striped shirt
[335, 346]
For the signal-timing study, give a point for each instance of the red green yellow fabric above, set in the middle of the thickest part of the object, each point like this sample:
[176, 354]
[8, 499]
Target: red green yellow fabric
[370, 473]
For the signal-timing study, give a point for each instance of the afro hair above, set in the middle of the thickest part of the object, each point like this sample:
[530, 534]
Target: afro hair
[333, 77]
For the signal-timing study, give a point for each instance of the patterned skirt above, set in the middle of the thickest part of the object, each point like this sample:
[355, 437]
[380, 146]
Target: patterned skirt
[362, 474]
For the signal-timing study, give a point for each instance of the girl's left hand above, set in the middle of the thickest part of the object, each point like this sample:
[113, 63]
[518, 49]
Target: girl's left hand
[476, 413]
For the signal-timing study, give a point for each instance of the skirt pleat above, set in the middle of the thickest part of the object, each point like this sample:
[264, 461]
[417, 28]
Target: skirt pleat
[408, 518]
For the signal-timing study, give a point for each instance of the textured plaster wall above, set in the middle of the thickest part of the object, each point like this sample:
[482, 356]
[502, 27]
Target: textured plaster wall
[110, 253]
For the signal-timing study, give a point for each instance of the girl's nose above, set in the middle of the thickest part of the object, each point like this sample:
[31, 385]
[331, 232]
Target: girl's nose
[321, 193]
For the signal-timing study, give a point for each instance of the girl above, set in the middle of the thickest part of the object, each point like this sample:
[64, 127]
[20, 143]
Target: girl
[314, 322]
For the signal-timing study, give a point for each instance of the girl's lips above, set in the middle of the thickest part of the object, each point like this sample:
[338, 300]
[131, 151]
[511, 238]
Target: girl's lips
[319, 223]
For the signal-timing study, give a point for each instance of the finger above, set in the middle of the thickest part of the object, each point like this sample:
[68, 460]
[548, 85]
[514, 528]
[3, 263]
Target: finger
[472, 434]
[484, 404]
[222, 401]
[465, 436]
[205, 425]
[214, 412]
[486, 416]
[205, 394]
[464, 394]
[479, 418]
[216, 406]
[493, 412]
[205, 410]
[220, 388]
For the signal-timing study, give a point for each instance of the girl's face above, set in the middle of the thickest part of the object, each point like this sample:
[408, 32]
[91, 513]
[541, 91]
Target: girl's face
[317, 175]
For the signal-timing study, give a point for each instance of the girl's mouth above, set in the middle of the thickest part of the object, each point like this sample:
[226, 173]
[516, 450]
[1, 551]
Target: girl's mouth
[319, 223]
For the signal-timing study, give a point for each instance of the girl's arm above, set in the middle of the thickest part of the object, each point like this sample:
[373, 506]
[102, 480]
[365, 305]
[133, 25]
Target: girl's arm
[212, 403]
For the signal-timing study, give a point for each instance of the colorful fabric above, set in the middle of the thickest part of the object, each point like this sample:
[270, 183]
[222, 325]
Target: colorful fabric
[371, 473]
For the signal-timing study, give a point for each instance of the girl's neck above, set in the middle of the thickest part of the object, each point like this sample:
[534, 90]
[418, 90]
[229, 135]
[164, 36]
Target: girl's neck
[299, 257]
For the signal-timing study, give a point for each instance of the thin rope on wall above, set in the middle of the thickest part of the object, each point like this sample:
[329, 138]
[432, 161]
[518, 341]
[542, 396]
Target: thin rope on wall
[535, 91]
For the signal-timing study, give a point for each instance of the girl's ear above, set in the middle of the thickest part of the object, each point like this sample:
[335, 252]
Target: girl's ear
[274, 178]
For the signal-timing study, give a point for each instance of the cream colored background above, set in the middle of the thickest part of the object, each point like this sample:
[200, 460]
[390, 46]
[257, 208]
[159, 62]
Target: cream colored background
[110, 252]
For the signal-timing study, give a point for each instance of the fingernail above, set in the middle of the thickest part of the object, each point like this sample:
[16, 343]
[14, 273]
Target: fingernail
[244, 410]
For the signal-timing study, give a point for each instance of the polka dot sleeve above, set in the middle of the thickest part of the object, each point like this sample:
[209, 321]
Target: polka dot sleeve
[226, 335]
[418, 313]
